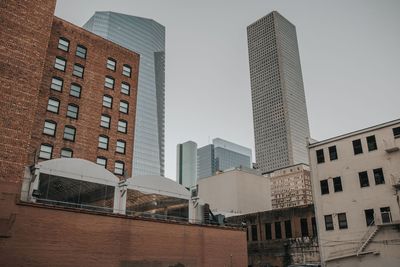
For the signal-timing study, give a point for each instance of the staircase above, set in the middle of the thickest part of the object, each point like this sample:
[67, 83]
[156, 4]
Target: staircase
[369, 235]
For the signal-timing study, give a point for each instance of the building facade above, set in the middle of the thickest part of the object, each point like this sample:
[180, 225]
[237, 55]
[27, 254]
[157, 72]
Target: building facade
[186, 164]
[146, 37]
[356, 181]
[281, 237]
[220, 156]
[290, 186]
[279, 106]
[87, 100]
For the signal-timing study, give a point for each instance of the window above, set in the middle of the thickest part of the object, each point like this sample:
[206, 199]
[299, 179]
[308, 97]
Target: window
[57, 84]
[78, 70]
[396, 132]
[278, 230]
[320, 156]
[50, 128]
[125, 88]
[75, 90]
[371, 142]
[101, 161]
[268, 232]
[63, 44]
[105, 121]
[107, 101]
[119, 168]
[81, 51]
[357, 147]
[328, 222]
[46, 151]
[386, 215]
[324, 187]
[66, 153]
[304, 227]
[53, 105]
[109, 82]
[69, 133]
[254, 236]
[126, 70]
[369, 217]
[111, 63]
[122, 125]
[363, 177]
[337, 184]
[342, 220]
[332, 153]
[314, 226]
[103, 142]
[60, 63]
[72, 111]
[120, 148]
[378, 175]
[288, 229]
[124, 107]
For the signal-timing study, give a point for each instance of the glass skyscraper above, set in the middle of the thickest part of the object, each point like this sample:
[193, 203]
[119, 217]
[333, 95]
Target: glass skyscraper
[146, 37]
[279, 106]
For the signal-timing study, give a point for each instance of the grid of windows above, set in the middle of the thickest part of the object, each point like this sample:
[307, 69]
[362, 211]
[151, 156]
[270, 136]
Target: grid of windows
[119, 168]
[75, 90]
[50, 128]
[126, 70]
[66, 153]
[69, 133]
[63, 44]
[57, 84]
[101, 161]
[111, 64]
[120, 148]
[72, 111]
[107, 101]
[122, 126]
[78, 70]
[103, 142]
[60, 63]
[125, 88]
[53, 105]
[105, 121]
[81, 51]
[46, 151]
[109, 82]
[124, 107]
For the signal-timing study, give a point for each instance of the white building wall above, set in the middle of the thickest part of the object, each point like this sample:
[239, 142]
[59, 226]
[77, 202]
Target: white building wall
[354, 199]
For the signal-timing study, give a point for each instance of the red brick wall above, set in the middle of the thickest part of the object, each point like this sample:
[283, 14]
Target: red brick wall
[49, 237]
[90, 103]
[24, 34]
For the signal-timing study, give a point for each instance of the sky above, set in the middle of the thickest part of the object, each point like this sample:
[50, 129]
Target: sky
[349, 51]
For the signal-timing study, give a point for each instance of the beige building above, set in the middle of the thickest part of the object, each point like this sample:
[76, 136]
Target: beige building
[235, 191]
[356, 181]
[290, 186]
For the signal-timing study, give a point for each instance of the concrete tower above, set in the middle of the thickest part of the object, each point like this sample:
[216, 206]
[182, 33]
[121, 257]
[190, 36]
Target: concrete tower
[279, 106]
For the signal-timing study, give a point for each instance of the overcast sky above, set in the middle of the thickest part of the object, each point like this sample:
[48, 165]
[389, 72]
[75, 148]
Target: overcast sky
[349, 51]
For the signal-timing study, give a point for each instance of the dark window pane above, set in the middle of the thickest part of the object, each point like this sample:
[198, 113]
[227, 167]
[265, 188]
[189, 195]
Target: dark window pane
[304, 227]
[278, 230]
[254, 233]
[332, 153]
[378, 175]
[371, 141]
[342, 221]
[314, 226]
[328, 222]
[268, 232]
[386, 215]
[396, 132]
[363, 176]
[324, 187]
[288, 229]
[320, 156]
[337, 184]
[369, 217]
[357, 147]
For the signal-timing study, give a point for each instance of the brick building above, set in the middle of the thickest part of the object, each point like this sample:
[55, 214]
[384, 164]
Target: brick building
[40, 58]
[280, 237]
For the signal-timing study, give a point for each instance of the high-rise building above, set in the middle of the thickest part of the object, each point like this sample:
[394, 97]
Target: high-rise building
[186, 164]
[221, 155]
[279, 106]
[146, 37]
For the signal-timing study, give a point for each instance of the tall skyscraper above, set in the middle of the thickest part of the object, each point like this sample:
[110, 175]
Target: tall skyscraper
[279, 105]
[186, 163]
[221, 155]
[146, 37]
